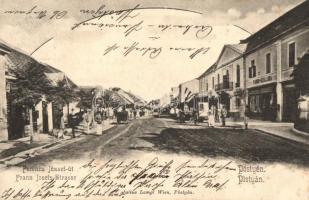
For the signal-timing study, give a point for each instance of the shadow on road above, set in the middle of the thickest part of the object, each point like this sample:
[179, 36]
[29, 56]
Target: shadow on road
[247, 145]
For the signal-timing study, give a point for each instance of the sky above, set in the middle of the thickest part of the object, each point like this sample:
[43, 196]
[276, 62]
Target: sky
[80, 52]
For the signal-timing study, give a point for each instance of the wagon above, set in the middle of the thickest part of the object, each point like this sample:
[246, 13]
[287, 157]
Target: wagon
[122, 116]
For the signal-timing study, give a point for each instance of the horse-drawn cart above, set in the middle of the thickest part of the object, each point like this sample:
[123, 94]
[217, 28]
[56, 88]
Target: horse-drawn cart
[122, 116]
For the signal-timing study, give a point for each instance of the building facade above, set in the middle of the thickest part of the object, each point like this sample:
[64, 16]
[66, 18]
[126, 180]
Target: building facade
[205, 84]
[257, 72]
[229, 80]
[188, 92]
[18, 120]
[270, 58]
[3, 98]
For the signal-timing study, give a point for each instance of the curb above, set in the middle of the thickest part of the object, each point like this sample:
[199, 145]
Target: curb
[301, 133]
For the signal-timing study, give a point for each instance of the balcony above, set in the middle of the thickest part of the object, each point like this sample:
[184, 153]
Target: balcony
[224, 86]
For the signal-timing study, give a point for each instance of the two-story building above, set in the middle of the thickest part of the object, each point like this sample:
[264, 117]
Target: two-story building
[270, 57]
[228, 79]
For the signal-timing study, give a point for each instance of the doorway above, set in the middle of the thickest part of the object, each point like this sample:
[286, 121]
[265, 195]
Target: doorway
[45, 117]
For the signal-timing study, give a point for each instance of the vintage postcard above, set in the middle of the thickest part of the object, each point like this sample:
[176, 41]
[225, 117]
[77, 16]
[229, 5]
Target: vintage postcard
[144, 99]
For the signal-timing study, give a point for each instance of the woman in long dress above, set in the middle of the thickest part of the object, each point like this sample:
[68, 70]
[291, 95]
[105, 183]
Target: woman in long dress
[211, 117]
[62, 127]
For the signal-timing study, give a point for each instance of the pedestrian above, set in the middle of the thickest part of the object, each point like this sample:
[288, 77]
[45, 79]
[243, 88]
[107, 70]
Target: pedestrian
[72, 122]
[223, 114]
[115, 112]
[88, 119]
[182, 116]
[134, 113]
[62, 126]
[246, 117]
[211, 116]
[177, 113]
[194, 116]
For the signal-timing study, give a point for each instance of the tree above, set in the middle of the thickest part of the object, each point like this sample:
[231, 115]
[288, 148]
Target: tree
[29, 84]
[301, 80]
[301, 75]
[62, 93]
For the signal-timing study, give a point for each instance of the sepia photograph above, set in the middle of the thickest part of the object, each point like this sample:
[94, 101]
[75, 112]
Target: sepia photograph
[142, 99]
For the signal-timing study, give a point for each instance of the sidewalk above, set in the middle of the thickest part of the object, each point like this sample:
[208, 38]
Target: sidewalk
[13, 152]
[12, 147]
[280, 129]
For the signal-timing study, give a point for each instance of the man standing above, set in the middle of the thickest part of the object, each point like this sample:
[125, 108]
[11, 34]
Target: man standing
[223, 114]
[72, 122]
[247, 112]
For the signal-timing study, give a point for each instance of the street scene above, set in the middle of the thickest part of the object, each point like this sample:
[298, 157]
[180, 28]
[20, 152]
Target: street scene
[165, 135]
[146, 101]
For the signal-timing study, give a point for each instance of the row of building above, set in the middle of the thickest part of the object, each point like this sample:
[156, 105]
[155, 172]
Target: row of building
[53, 95]
[256, 73]
[18, 120]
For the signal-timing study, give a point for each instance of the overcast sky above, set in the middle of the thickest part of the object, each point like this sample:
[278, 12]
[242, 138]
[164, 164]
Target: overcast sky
[79, 53]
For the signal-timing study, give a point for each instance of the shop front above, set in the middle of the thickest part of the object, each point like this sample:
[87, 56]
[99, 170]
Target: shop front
[262, 102]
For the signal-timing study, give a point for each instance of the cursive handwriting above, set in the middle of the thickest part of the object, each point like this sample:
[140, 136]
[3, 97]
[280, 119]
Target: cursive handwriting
[154, 52]
[124, 178]
[38, 13]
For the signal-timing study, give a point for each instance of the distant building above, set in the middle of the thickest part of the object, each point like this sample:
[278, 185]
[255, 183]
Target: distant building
[206, 84]
[174, 96]
[188, 92]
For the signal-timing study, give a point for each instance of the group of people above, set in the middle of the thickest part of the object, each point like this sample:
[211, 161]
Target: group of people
[217, 115]
[214, 115]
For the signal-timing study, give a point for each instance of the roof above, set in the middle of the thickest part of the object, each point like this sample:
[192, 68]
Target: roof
[3, 50]
[20, 58]
[190, 81]
[294, 18]
[240, 48]
[208, 71]
[53, 70]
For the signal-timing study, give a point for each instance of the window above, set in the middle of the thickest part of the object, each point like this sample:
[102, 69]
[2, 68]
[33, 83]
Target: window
[238, 102]
[206, 86]
[292, 54]
[268, 63]
[238, 76]
[252, 69]
[218, 79]
[213, 82]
